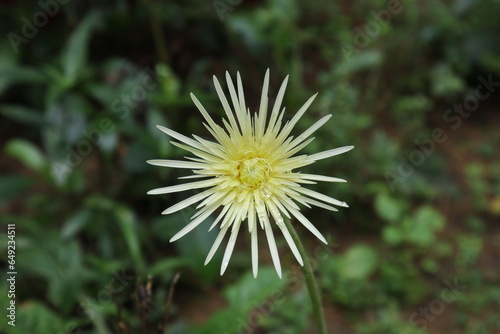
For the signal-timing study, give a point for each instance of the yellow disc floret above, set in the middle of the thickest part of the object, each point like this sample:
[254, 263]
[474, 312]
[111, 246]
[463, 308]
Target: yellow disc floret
[253, 172]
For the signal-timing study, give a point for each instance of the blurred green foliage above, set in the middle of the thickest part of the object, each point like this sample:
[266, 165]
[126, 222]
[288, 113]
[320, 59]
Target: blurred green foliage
[81, 95]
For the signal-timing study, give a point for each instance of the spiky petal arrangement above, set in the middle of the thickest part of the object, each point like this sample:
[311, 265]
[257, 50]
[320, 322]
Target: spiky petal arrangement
[250, 172]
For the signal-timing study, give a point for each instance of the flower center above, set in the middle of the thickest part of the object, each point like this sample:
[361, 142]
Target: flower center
[253, 172]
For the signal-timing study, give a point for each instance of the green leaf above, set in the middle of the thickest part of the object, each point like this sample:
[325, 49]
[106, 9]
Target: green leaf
[388, 208]
[166, 266]
[128, 224]
[244, 296]
[22, 114]
[94, 310]
[426, 222]
[392, 235]
[19, 74]
[11, 186]
[27, 153]
[75, 223]
[59, 263]
[35, 317]
[74, 56]
[359, 262]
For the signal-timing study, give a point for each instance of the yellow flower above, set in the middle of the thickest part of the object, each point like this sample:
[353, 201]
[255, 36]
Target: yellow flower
[250, 172]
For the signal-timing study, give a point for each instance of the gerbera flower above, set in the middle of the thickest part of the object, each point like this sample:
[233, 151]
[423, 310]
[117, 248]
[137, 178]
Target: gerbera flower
[250, 172]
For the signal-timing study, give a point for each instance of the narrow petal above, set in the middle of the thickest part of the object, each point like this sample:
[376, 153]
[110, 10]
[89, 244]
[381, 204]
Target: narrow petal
[288, 128]
[229, 248]
[189, 227]
[216, 244]
[308, 224]
[255, 253]
[217, 131]
[260, 126]
[187, 202]
[321, 197]
[320, 178]
[277, 105]
[310, 131]
[272, 247]
[330, 153]
[185, 186]
[182, 138]
[176, 164]
[291, 243]
[225, 105]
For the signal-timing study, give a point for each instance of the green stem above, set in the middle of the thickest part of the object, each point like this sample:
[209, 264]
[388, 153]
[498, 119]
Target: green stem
[312, 286]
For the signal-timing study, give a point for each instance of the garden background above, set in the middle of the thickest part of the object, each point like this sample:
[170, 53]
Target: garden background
[413, 85]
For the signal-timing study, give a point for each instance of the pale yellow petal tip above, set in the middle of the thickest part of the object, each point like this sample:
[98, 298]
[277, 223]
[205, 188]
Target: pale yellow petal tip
[279, 273]
[223, 267]
[166, 212]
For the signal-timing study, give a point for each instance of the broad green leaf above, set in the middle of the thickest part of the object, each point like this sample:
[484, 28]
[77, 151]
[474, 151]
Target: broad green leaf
[27, 153]
[59, 263]
[424, 225]
[359, 262]
[388, 208]
[392, 235]
[244, 296]
[74, 56]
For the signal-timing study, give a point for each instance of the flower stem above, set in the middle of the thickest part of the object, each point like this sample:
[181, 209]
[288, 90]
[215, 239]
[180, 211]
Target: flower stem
[311, 283]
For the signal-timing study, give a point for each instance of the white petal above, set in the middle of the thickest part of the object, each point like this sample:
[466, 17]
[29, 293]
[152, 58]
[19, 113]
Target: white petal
[225, 105]
[260, 126]
[176, 164]
[181, 138]
[321, 196]
[229, 248]
[234, 99]
[307, 224]
[185, 186]
[310, 131]
[187, 202]
[286, 130]
[216, 244]
[291, 243]
[277, 105]
[330, 153]
[217, 131]
[320, 178]
[219, 217]
[196, 222]
[255, 253]
[272, 247]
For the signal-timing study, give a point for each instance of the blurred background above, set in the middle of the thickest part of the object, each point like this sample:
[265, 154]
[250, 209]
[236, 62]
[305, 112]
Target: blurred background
[414, 85]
